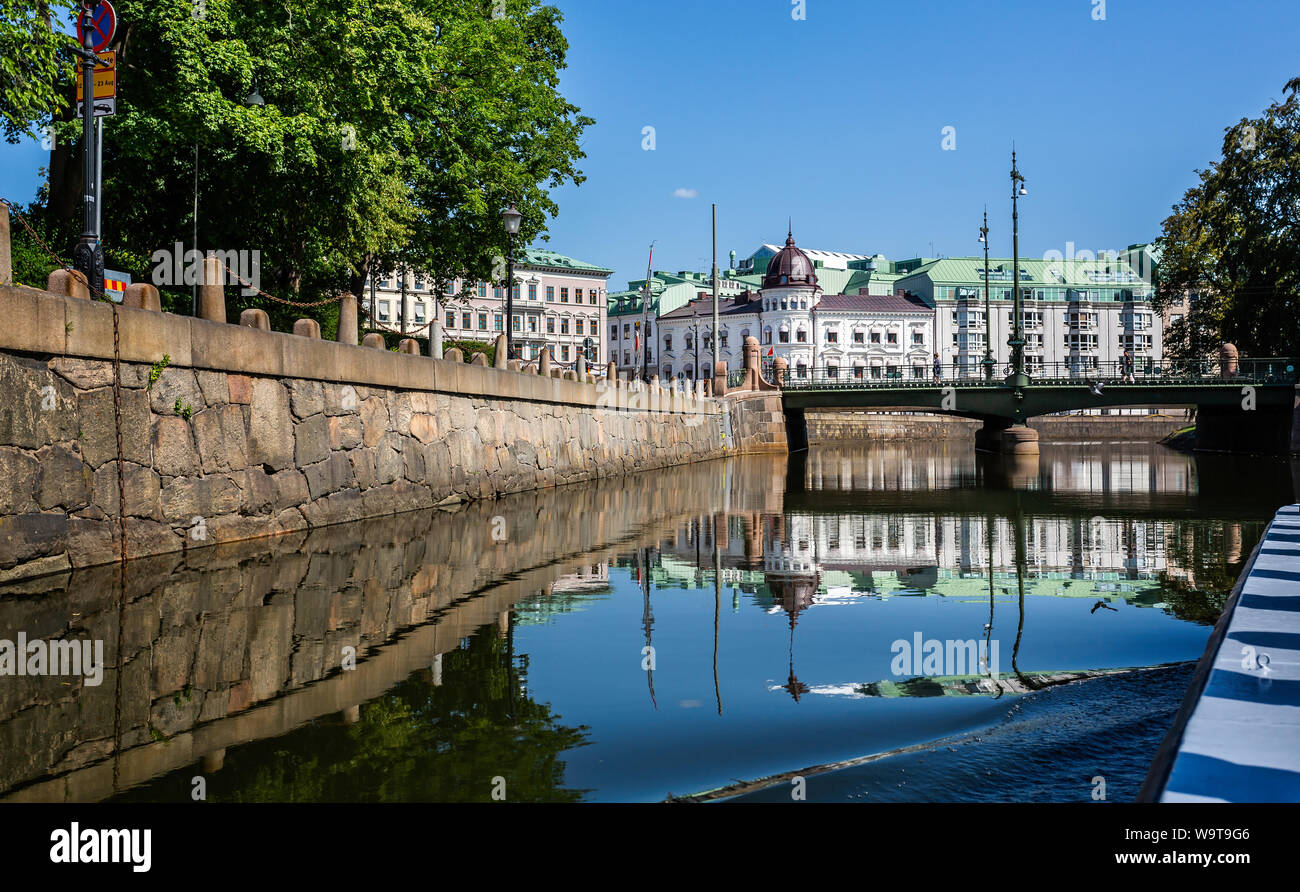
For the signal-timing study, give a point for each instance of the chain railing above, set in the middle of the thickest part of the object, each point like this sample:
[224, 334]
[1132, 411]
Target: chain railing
[1247, 370]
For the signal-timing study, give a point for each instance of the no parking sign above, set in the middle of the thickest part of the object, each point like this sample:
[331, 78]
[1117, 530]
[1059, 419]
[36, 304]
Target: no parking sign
[103, 22]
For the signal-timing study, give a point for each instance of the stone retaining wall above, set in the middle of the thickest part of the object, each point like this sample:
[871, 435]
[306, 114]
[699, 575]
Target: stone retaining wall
[246, 432]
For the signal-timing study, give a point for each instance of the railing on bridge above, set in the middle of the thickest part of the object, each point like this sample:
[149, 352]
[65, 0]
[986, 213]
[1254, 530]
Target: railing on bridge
[735, 378]
[1173, 372]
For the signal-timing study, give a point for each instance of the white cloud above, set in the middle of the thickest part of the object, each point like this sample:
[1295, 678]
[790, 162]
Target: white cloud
[686, 193]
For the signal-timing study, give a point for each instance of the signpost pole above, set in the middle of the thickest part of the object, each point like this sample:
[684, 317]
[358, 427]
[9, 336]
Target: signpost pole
[88, 257]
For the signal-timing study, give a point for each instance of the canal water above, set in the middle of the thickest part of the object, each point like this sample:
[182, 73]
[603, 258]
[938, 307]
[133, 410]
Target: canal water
[895, 622]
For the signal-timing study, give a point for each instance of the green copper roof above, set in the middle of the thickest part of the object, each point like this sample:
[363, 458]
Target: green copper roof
[1034, 272]
[539, 257]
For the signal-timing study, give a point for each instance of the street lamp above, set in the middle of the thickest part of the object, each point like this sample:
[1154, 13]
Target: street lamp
[88, 256]
[1017, 377]
[511, 218]
[988, 316]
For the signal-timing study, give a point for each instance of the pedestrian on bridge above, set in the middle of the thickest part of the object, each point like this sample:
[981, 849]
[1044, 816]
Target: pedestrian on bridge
[938, 369]
[1126, 368]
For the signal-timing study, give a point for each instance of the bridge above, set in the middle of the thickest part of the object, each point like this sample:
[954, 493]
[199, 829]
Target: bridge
[1247, 404]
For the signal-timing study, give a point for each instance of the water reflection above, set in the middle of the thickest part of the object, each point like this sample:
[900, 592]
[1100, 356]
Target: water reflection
[575, 655]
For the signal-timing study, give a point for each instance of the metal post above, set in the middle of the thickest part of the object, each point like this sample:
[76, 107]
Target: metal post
[1017, 342]
[510, 295]
[716, 354]
[99, 175]
[401, 307]
[88, 258]
[988, 315]
[194, 289]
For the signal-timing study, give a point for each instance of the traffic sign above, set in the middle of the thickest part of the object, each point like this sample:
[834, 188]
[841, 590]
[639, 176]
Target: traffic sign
[105, 77]
[103, 19]
[103, 107]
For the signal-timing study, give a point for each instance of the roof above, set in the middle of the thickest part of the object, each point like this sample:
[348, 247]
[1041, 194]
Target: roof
[1034, 272]
[539, 257]
[874, 303]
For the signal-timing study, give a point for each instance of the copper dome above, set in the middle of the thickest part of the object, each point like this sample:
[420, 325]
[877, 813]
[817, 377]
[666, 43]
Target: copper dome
[789, 266]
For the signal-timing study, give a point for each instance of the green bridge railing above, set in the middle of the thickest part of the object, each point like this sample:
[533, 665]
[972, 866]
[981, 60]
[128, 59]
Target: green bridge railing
[1265, 371]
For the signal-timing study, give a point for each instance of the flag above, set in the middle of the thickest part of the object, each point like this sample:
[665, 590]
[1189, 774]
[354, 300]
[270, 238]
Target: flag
[769, 351]
[638, 343]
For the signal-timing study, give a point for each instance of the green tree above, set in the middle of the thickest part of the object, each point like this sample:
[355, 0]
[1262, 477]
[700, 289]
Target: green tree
[1234, 241]
[391, 131]
[34, 64]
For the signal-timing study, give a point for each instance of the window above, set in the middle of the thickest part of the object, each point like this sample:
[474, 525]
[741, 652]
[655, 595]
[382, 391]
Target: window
[784, 336]
[482, 289]
[532, 324]
[498, 292]
[627, 358]
[482, 321]
[832, 337]
[466, 320]
[591, 297]
[451, 319]
[595, 353]
[550, 325]
[722, 339]
[578, 327]
[419, 313]
[859, 337]
[875, 337]
[668, 341]
[801, 336]
[891, 337]
[564, 325]
[613, 332]
[514, 292]
[419, 284]
[564, 295]
[832, 371]
[550, 294]
[383, 311]
[564, 353]
[496, 322]
[627, 330]
[514, 323]
[532, 291]
[767, 336]
[918, 338]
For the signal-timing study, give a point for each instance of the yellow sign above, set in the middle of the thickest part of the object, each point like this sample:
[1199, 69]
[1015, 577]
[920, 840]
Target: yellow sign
[105, 77]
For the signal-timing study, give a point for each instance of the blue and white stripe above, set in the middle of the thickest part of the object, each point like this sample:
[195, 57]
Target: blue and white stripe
[1242, 741]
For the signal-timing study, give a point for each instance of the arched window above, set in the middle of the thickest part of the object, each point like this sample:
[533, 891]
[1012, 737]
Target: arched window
[783, 300]
[668, 372]
[767, 335]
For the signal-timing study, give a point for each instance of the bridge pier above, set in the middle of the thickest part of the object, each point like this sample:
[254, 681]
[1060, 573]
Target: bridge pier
[1000, 435]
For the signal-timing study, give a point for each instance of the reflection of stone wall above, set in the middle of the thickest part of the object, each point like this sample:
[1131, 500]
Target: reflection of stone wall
[212, 456]
[244, 641]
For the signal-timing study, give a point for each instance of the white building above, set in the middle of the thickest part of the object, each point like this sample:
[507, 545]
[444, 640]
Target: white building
[558, 302]
[857, 335]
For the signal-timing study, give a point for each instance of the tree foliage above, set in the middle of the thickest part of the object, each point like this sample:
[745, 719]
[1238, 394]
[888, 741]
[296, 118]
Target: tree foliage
[392, 131]
[34, 65]
[1234, 242]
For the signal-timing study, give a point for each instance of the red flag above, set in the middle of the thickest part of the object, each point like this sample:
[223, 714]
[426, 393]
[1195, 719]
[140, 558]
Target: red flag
[638, 342]
[769, 351]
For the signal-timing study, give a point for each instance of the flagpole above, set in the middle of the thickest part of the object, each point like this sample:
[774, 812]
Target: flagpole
[645, 324]
[715, 293]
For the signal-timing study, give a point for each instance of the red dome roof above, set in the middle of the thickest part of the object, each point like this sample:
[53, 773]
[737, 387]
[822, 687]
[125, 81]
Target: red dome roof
[789, 266]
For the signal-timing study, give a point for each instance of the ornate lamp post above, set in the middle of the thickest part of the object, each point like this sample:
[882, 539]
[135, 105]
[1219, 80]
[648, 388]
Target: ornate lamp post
[511, 218]
[988, 316]
[1017, 377]
[88, 256]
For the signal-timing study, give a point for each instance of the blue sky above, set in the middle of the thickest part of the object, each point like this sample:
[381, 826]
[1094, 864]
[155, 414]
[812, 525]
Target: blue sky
[837, 121]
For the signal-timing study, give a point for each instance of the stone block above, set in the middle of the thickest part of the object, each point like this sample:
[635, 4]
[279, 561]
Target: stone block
[255, 318]
[307, 328]
[142, 296]
[270, 427]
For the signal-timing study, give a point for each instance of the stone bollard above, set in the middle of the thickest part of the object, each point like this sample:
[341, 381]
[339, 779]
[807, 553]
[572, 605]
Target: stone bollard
[453, 354]
[255, 318]
[307, 328]
[1228, 360]
[6, 252]
[580, 368]
[409, 345]
[780, 369]
[544, 363]
[212, 292]
[699, 390]
[556, 372]
[142, 296]
[348, 319]
[515, 365]
[374, 339]
[499, 358]
[611, 371]
[69, 283]
[479, 359]
[531, 368]
[753, 362]
[719, 378]
[570, 375]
